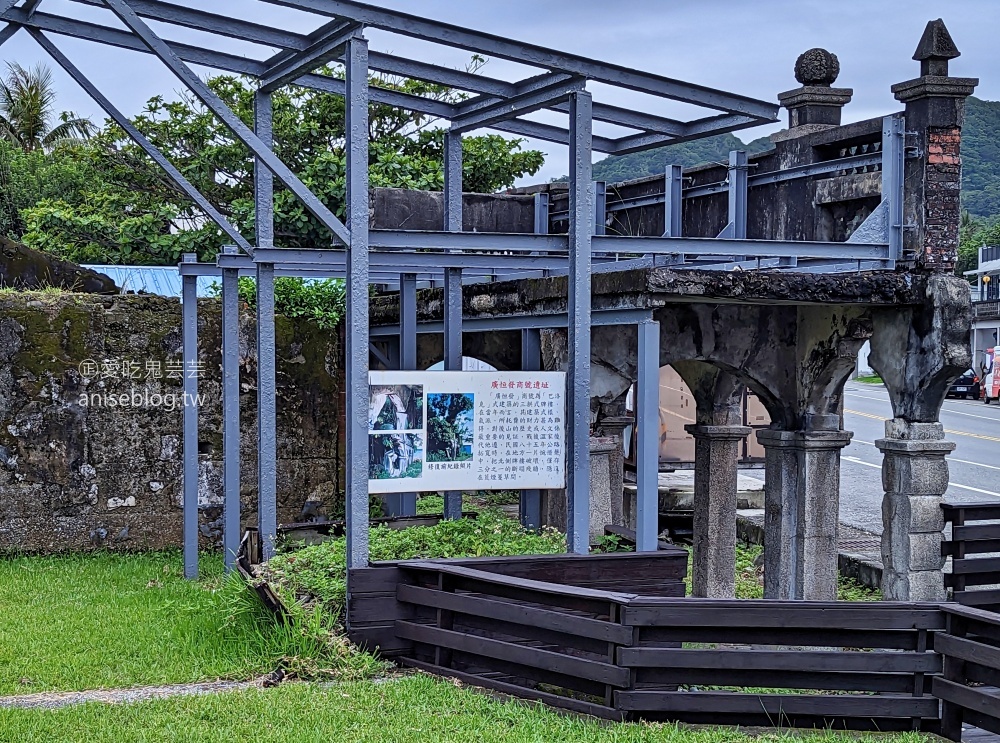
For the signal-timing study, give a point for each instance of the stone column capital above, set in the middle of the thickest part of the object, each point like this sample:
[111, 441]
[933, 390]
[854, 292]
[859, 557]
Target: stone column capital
[804, 440]
[719, 433]
[899, 447]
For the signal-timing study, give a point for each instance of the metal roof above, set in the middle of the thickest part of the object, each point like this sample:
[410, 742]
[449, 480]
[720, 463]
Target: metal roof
[162, 280]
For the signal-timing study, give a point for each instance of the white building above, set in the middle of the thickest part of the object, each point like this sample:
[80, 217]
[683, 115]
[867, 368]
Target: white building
[985, 303]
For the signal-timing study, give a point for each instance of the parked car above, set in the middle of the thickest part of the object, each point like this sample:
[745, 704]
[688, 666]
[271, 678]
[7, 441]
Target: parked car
[965, 386]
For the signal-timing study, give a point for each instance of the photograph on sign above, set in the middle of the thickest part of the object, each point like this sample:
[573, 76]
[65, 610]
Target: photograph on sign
[396, 408]
[439, 431]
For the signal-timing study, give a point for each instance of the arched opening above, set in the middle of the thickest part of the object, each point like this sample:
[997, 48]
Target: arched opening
[679, 409]
[469, 364]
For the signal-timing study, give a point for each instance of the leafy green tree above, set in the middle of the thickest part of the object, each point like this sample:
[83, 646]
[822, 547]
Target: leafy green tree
[135, 214]
[446, 430]
[27, 101]
[974, 234]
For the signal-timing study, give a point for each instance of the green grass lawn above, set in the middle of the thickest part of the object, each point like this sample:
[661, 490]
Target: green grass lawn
[871, 379]
[104, 621]
[410, 710]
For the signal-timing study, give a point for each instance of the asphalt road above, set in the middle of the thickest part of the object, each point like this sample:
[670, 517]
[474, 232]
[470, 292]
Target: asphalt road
[974, 465]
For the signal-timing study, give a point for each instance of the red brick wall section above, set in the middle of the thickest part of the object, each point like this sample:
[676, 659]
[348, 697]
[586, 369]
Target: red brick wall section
[942, 211]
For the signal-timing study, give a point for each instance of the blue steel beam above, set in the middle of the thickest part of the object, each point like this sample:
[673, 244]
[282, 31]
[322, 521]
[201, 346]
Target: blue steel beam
[218, 107]
[323, 50]
[390, 64]
[647, 405]
[189, 345]
[148, 147]
[255, 68]
[484, 114]
[230, 415]
[600, 318]
[267, 435]
[537, 56]
[356, 326]
[580, 237]
[453, 282]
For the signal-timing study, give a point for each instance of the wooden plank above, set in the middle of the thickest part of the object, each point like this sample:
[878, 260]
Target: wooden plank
[985, 722]
[733, 614]
[971, 511]
[976, 547]
[628, 536]
[525, 675]
[975, 700]
[762, 679]
[971, 613]
[979, 598]
[379, 638]
[664, 567]
[518, 614]
[827, 705]
[496, 629]
[522, 584]
[380, 609]
[978, 532]
[961, 581]
[881, 639]
[374, 580]
[554, 700]
[565, 664]
[967, 650]
[781, 660]
[977, 565]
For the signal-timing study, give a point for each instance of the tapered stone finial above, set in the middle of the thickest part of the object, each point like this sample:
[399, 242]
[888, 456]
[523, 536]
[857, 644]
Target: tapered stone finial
[936, 47]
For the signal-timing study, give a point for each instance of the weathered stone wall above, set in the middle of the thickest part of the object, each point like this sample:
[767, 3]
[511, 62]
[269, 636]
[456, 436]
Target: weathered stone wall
[80, 470]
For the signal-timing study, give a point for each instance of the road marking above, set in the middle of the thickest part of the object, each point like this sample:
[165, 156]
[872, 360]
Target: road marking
[950, 459]
[984, 437]
[972, 415]
[944, 409]
[866, 397]
[855, 460]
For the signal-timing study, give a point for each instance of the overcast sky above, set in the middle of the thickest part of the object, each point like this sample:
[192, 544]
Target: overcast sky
[736, 45]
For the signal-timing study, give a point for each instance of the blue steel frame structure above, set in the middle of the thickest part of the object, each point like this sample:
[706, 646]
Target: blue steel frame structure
[450, 257]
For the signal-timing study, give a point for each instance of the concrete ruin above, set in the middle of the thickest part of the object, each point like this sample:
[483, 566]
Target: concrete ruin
[789, 335]
[91, 401]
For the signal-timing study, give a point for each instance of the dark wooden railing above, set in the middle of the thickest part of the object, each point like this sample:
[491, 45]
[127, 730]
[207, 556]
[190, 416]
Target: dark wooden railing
[971, 650]
[764, 662]
[975, 572]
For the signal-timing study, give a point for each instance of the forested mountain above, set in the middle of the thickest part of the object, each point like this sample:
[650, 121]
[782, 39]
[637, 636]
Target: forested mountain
[980, 154]
[981, 158]
[616, 169]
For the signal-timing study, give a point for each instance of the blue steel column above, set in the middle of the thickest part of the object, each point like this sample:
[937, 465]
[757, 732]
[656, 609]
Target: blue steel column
[356, 494]
[738, 193]
[453, 282]
[600, 207]
[893, 162]
[673, 204]
[230, 411]
[647, 405]
[531, 360]
[405, 504]
[581, 230]
[267, 447]
[190, 353]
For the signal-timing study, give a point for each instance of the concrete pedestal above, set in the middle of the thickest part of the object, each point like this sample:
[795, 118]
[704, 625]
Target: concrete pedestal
[717, 453]
[801, 513]
[605, 506]
[915, 478]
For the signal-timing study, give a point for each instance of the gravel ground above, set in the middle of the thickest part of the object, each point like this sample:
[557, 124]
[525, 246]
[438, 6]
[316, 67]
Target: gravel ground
[54, 700]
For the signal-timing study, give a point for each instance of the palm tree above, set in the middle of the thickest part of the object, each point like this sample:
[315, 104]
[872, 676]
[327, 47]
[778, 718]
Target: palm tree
[26, 101]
